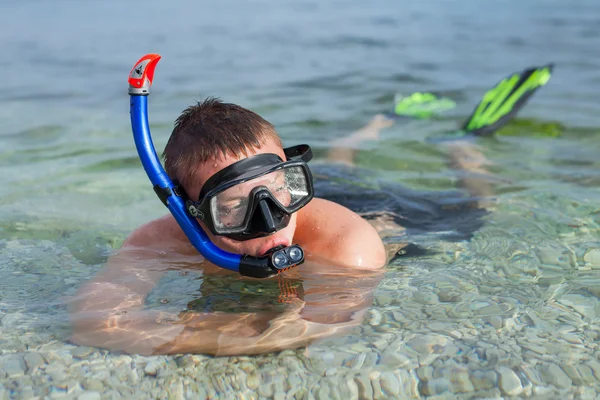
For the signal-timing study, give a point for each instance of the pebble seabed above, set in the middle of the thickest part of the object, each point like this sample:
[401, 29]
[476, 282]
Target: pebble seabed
[489, 329]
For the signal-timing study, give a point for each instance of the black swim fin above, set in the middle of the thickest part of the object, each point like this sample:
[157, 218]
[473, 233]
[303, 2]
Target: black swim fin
[504, 100]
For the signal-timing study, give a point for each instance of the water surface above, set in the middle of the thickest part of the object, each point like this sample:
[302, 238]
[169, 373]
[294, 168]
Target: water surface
[511, 311]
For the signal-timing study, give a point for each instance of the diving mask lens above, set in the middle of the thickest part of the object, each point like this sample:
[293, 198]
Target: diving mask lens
[287, 186]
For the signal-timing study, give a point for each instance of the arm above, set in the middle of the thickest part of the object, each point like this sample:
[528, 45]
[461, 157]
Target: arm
[287, 331]
[335, 300]
[107, 312]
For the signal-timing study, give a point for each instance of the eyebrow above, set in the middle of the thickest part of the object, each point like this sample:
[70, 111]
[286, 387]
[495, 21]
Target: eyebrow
[235, 198]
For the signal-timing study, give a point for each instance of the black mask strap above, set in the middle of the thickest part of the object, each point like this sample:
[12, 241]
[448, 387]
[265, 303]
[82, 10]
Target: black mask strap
[301, 151]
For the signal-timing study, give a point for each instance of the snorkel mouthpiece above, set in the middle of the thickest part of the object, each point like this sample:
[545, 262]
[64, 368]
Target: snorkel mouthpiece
[280, 258]
[276, 261]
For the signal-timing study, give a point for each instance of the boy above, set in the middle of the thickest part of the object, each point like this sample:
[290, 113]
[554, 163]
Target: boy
[344, 253]
[208, 138]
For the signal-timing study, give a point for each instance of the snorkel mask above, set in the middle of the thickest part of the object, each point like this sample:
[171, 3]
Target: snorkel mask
[256, 196]
[251, 198]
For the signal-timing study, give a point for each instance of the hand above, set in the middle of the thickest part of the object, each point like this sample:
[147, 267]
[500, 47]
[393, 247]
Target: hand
[234, 334]
[133, 332]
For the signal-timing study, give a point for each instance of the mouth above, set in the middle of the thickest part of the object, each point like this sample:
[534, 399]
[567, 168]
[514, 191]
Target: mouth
[270, 245]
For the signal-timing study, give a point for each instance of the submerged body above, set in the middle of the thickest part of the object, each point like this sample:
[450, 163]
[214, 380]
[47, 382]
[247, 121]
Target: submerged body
[345, 254]
[340, 247]
[329, 295]
[316, 312]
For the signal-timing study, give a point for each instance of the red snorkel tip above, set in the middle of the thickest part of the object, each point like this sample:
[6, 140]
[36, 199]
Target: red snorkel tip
[142, 74]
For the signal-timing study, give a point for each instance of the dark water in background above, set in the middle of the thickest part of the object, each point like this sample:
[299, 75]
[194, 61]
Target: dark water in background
[318, 71]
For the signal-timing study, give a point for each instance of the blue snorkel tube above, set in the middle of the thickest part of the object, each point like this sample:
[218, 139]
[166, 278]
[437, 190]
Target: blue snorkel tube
[140, 80]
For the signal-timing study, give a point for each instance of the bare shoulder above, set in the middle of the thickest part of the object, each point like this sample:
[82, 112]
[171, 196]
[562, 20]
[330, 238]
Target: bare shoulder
[162, 233]
[329, 230]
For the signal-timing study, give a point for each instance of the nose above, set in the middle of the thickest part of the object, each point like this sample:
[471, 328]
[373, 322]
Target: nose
[269, 221]
[267, 217]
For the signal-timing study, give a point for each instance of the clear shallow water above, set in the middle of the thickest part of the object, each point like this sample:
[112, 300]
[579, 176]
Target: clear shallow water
[514, 311]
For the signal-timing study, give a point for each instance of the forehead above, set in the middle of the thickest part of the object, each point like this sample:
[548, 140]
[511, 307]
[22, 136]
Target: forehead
[207, 169]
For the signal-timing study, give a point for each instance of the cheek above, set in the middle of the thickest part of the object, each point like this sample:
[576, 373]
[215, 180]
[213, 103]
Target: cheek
[227, 244]
[220, 241]
[291, 228]
[233, 246]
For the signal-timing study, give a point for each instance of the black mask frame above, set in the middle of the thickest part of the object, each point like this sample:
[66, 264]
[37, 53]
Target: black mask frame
[265, 214]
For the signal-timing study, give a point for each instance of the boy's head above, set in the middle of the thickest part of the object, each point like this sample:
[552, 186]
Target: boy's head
[211, 136]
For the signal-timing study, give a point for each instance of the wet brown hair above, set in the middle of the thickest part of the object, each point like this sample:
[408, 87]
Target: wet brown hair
[212, 129]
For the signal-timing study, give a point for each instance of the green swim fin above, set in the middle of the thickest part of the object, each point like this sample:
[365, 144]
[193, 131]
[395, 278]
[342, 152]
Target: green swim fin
[504, 100]
[421, 105]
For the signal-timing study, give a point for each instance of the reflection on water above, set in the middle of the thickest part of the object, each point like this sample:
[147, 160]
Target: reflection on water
[505, 306]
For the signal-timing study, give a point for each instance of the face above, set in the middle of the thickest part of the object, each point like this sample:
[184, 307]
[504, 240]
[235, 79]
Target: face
[254, 247]
[231, 204]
